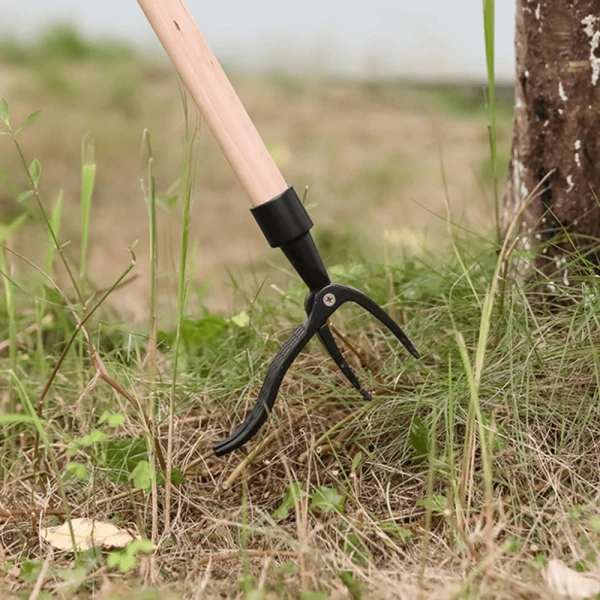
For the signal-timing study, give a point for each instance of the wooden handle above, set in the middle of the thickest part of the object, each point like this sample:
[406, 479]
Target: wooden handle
[216, 99]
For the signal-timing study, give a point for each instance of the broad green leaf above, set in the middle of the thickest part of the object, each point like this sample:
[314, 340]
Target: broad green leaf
[437, 504]
[30, 120]
[123, 455]
[293, 493]
[142, 476]
[94, 437]
[311, 205]
[35, 171]
[112, 419]
[241, 320]
[30, 571]
[78, 471]
[419, 438]
[327, 500]
[144, 546]
[4, 112]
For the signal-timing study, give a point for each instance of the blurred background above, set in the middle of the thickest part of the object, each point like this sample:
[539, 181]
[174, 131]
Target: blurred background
[378, 107]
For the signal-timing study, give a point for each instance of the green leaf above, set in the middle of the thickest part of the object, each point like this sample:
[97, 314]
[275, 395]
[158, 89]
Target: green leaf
[352, 585]
[286, 569]
[4, 112]
[293, 493]
[78, 471]
[356, 461]
[35, 171]
[144, 546]
[246, 582]
[437, 504]
[30, 571]
[25, 196]
[94, 437]
[142, 476]
[394, 529]
[327, 500]
[30, 120]
[177, 477]
[419, 438]
[112, 419]
[311, 205]
[126, 559]
[241, 320]
[123, 455]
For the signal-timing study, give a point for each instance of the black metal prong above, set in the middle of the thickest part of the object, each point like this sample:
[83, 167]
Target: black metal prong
[380, 314]
[268, 393]
[328, 341]
[320, 306]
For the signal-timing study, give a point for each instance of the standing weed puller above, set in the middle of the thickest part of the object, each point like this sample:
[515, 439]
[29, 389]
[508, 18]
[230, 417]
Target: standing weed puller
[276, 206]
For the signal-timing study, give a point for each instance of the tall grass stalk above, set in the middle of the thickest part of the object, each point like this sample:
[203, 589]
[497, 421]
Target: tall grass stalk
[489, 21]
[55, 220]
[182, 285]
[150, 196]
[150, 193]
[88, 178]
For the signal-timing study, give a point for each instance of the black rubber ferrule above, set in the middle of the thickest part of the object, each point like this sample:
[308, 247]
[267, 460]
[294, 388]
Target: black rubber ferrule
[283, 219]
[286, 225]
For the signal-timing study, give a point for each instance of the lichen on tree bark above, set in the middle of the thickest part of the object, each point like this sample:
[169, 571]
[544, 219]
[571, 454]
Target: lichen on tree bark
[556, 129]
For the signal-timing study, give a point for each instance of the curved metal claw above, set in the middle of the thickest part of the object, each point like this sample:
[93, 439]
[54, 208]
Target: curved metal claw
[327, 339]
[320, 306]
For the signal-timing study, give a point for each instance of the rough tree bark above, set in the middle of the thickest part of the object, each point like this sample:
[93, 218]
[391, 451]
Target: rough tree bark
[556, 128]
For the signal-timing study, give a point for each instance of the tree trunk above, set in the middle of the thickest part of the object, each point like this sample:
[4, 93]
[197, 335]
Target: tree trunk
[556, 129]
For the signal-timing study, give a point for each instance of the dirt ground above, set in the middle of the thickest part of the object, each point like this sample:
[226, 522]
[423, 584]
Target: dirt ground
[371, 155]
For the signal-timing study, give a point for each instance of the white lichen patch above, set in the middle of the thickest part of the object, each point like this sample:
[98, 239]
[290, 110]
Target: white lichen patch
[589, 24]
[589, 29]
[561, 92]
[538, 12]
[570, 183]
[577, 156]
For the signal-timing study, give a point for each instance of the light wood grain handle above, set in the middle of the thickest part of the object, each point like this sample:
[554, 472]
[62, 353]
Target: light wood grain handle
[216, 99]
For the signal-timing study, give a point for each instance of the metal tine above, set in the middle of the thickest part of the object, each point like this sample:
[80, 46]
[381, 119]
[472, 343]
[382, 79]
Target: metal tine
[327, 339]
[380, 314]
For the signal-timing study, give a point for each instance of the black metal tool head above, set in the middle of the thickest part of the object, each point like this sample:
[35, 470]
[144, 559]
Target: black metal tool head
[320, 305]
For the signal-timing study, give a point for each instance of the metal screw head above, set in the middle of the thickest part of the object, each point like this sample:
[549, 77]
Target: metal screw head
[329, 300]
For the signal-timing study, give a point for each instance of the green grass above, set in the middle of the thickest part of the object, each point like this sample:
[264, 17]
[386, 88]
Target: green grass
[480, 456]
[469, 471]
